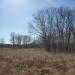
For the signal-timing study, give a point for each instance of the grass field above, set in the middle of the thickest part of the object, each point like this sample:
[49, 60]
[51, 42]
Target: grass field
[35, 62]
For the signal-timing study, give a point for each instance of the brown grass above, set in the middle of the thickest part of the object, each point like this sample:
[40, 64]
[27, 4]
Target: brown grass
[35, 62]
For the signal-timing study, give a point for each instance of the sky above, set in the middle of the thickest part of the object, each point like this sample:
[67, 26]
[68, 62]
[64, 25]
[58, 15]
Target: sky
[16, 14]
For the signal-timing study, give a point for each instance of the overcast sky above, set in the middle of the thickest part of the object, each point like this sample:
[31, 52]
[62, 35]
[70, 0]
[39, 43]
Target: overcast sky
[15, 14]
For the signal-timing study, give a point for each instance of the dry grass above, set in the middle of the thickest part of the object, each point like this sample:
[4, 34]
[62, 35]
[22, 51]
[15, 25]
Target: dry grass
[35, 62]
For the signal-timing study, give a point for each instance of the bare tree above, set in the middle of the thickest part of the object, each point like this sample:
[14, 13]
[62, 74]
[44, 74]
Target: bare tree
[69, 26]
[44, 26]
[18, 38]
[12, 38]
[60, 26]
[26, 39]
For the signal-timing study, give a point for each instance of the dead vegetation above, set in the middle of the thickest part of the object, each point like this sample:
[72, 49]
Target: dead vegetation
[35, 62]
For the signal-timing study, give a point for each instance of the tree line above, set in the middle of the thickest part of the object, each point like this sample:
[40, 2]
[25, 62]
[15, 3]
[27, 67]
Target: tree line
[19, 39]
[16, 40]
[56, 28]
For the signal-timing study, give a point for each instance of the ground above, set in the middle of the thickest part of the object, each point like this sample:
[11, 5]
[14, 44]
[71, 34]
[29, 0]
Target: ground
[36, 62]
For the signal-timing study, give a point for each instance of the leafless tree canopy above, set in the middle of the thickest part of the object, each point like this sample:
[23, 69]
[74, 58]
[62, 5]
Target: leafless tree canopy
[56, 27]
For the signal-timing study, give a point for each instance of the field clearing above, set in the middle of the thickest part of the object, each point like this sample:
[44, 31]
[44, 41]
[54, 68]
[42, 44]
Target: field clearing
[35, 62]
